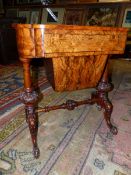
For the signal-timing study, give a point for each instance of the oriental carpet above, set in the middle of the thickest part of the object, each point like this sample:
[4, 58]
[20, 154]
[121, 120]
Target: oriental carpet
[71, 142]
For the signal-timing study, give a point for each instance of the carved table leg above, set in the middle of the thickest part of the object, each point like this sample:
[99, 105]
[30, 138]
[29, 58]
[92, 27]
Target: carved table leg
[29, 98]
[103, 101]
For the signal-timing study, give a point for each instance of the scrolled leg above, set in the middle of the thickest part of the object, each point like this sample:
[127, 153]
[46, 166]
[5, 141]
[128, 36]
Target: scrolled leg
[107, 116]
[33, 126]
[108, 108]
[103, 101]
[29, 97]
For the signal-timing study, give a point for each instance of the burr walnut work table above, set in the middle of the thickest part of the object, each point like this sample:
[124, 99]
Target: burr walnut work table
[77, 58]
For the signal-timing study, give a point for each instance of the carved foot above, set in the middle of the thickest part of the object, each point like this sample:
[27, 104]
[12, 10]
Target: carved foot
[102, 101]
[99, 107]
[113, 130]
[36, 152]
[107, 114]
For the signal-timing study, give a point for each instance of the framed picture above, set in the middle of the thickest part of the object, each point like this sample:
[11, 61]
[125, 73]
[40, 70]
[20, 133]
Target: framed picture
[127, 18]
[56, 16]
[74, 16]
[25, 14]
[123, 12]
[1, 6]
[18, 2]
[11, 13]
[113, 0]
[8, 3]
[35, 16]
[66, 1]
[102, 15]
[86, 1]
[34, 1]
[22, 1]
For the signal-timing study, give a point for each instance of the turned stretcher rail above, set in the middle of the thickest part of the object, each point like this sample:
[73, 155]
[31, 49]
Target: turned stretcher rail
[70, 105]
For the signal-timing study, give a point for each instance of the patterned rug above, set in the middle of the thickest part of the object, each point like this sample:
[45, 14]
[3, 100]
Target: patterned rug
[71, 142]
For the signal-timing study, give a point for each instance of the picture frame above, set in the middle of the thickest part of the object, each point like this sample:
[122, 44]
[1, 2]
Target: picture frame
[1, 7]
[25, 14]
[11, 13]
[48, 19]
[122, 14]
[127, 18]
[34, 1]
[102, 15]
[35, 16]
[74, 16]
[8, 3]
[22, 1]
[86, 1]
[113, 0]
[66, 1]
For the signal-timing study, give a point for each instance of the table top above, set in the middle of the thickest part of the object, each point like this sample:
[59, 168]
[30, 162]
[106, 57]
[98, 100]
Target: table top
[38, 40]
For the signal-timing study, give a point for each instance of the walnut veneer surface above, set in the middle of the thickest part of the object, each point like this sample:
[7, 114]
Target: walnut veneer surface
[76, 57]
[63, 40]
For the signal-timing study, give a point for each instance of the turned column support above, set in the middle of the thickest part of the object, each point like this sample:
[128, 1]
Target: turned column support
[29, 97]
